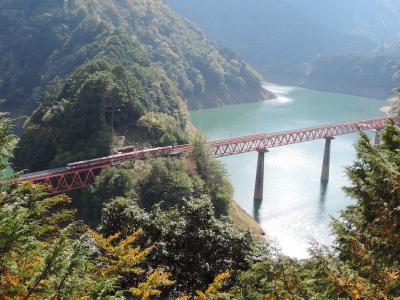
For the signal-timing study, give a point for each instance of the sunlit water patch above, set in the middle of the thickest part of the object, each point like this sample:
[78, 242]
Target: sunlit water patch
[296, 209]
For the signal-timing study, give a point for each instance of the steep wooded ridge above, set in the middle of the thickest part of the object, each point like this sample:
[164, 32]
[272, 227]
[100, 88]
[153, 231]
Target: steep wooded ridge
[333, 45]
[42, 39]
[109, 73]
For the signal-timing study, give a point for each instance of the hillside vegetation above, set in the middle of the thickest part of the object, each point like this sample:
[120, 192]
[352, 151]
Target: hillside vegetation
[158, 228]
[43, 39]
[372, 75]
[164, 234]
[86, 114]
[287, 40]
[105, 74]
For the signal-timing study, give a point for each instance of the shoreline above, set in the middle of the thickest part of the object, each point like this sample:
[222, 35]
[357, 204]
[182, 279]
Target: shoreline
[388, 108]
[268, 94]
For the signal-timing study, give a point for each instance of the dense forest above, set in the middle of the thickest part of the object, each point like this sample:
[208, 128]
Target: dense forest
[100, 74]
[98, 107]
[305, 43]
[161, 229]
[105, 74]
[44, 39]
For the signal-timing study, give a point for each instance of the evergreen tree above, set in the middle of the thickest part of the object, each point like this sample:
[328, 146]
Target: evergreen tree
[190, 242]
[44, 254]
[368, 233]
[365, 260]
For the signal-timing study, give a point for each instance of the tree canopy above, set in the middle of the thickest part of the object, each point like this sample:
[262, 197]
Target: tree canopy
[47, 38]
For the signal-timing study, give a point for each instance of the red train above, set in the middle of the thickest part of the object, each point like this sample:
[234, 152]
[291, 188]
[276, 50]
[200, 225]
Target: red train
[121, 157]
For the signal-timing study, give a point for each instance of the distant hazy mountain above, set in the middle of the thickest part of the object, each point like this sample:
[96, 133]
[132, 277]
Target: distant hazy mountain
[284, 38]
[378, 20]
[373, 76]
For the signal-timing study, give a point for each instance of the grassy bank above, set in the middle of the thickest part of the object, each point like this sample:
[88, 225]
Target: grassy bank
[242, 220]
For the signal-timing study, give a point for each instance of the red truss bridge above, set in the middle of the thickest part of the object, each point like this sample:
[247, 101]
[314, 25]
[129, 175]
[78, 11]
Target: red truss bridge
[81, 174]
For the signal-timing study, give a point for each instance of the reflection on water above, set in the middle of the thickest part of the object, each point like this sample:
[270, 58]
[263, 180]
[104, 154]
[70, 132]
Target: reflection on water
[257, 208]
[322, 197]
[296, 208]
[323, 190]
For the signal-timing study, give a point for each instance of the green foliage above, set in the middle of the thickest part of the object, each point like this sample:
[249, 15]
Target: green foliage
[38, 257]
[7, 142]
[166, 53]
[45, 255]
[190, 242]
[212, 172]
[356, 53]
[78, 116]
[42, 254]
[364, 263]
[169, 183]
[163, 128]
[323, 276]
[205, 74]
[368, 233]
[372, 75]
[396, 106]
[112, 182]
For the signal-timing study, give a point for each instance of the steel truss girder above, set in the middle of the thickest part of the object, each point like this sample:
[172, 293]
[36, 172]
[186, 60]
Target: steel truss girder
[264, 141]
[67, 180]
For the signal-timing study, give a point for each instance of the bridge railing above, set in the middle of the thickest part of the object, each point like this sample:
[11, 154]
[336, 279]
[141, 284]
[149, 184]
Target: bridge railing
[258, 142]
[81, 174]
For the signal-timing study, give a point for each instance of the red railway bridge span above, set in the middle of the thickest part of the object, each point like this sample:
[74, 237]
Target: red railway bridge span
[81, 174]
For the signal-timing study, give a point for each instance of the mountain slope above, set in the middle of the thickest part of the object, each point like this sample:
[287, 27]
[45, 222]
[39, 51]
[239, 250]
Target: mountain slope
[42, 39]
[206, 74]
[366, 75]
[108, 74]
[270, 34]
[282, 39]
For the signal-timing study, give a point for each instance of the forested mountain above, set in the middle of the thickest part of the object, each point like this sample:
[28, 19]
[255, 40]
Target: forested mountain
[367, 75]
[163, 234]
[286, 39]
[43, 39]
[109, 73]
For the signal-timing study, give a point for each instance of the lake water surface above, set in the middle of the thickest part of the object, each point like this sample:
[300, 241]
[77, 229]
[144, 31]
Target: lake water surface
[296, 209]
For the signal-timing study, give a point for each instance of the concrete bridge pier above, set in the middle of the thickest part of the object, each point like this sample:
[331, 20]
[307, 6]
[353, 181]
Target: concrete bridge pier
[327, 159]
[377, 140]
[259, 186]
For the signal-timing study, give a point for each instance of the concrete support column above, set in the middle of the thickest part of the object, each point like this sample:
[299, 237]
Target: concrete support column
[327, 159]
[377, 140]
[259, 186]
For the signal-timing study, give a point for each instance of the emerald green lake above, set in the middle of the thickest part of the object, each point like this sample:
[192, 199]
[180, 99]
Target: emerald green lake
[296, 209]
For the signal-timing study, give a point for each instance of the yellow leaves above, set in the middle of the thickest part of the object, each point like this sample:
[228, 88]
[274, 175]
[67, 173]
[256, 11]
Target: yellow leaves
[213, 291]
[155, 279]
[388, 278]
[215, 286]
[11, 280]
[394, 276]
[20, 268]
[352, 286]
[120, 257]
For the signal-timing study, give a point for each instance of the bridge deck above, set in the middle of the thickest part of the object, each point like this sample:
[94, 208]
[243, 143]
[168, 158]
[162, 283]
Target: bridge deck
[40, 174]
[81, 174]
